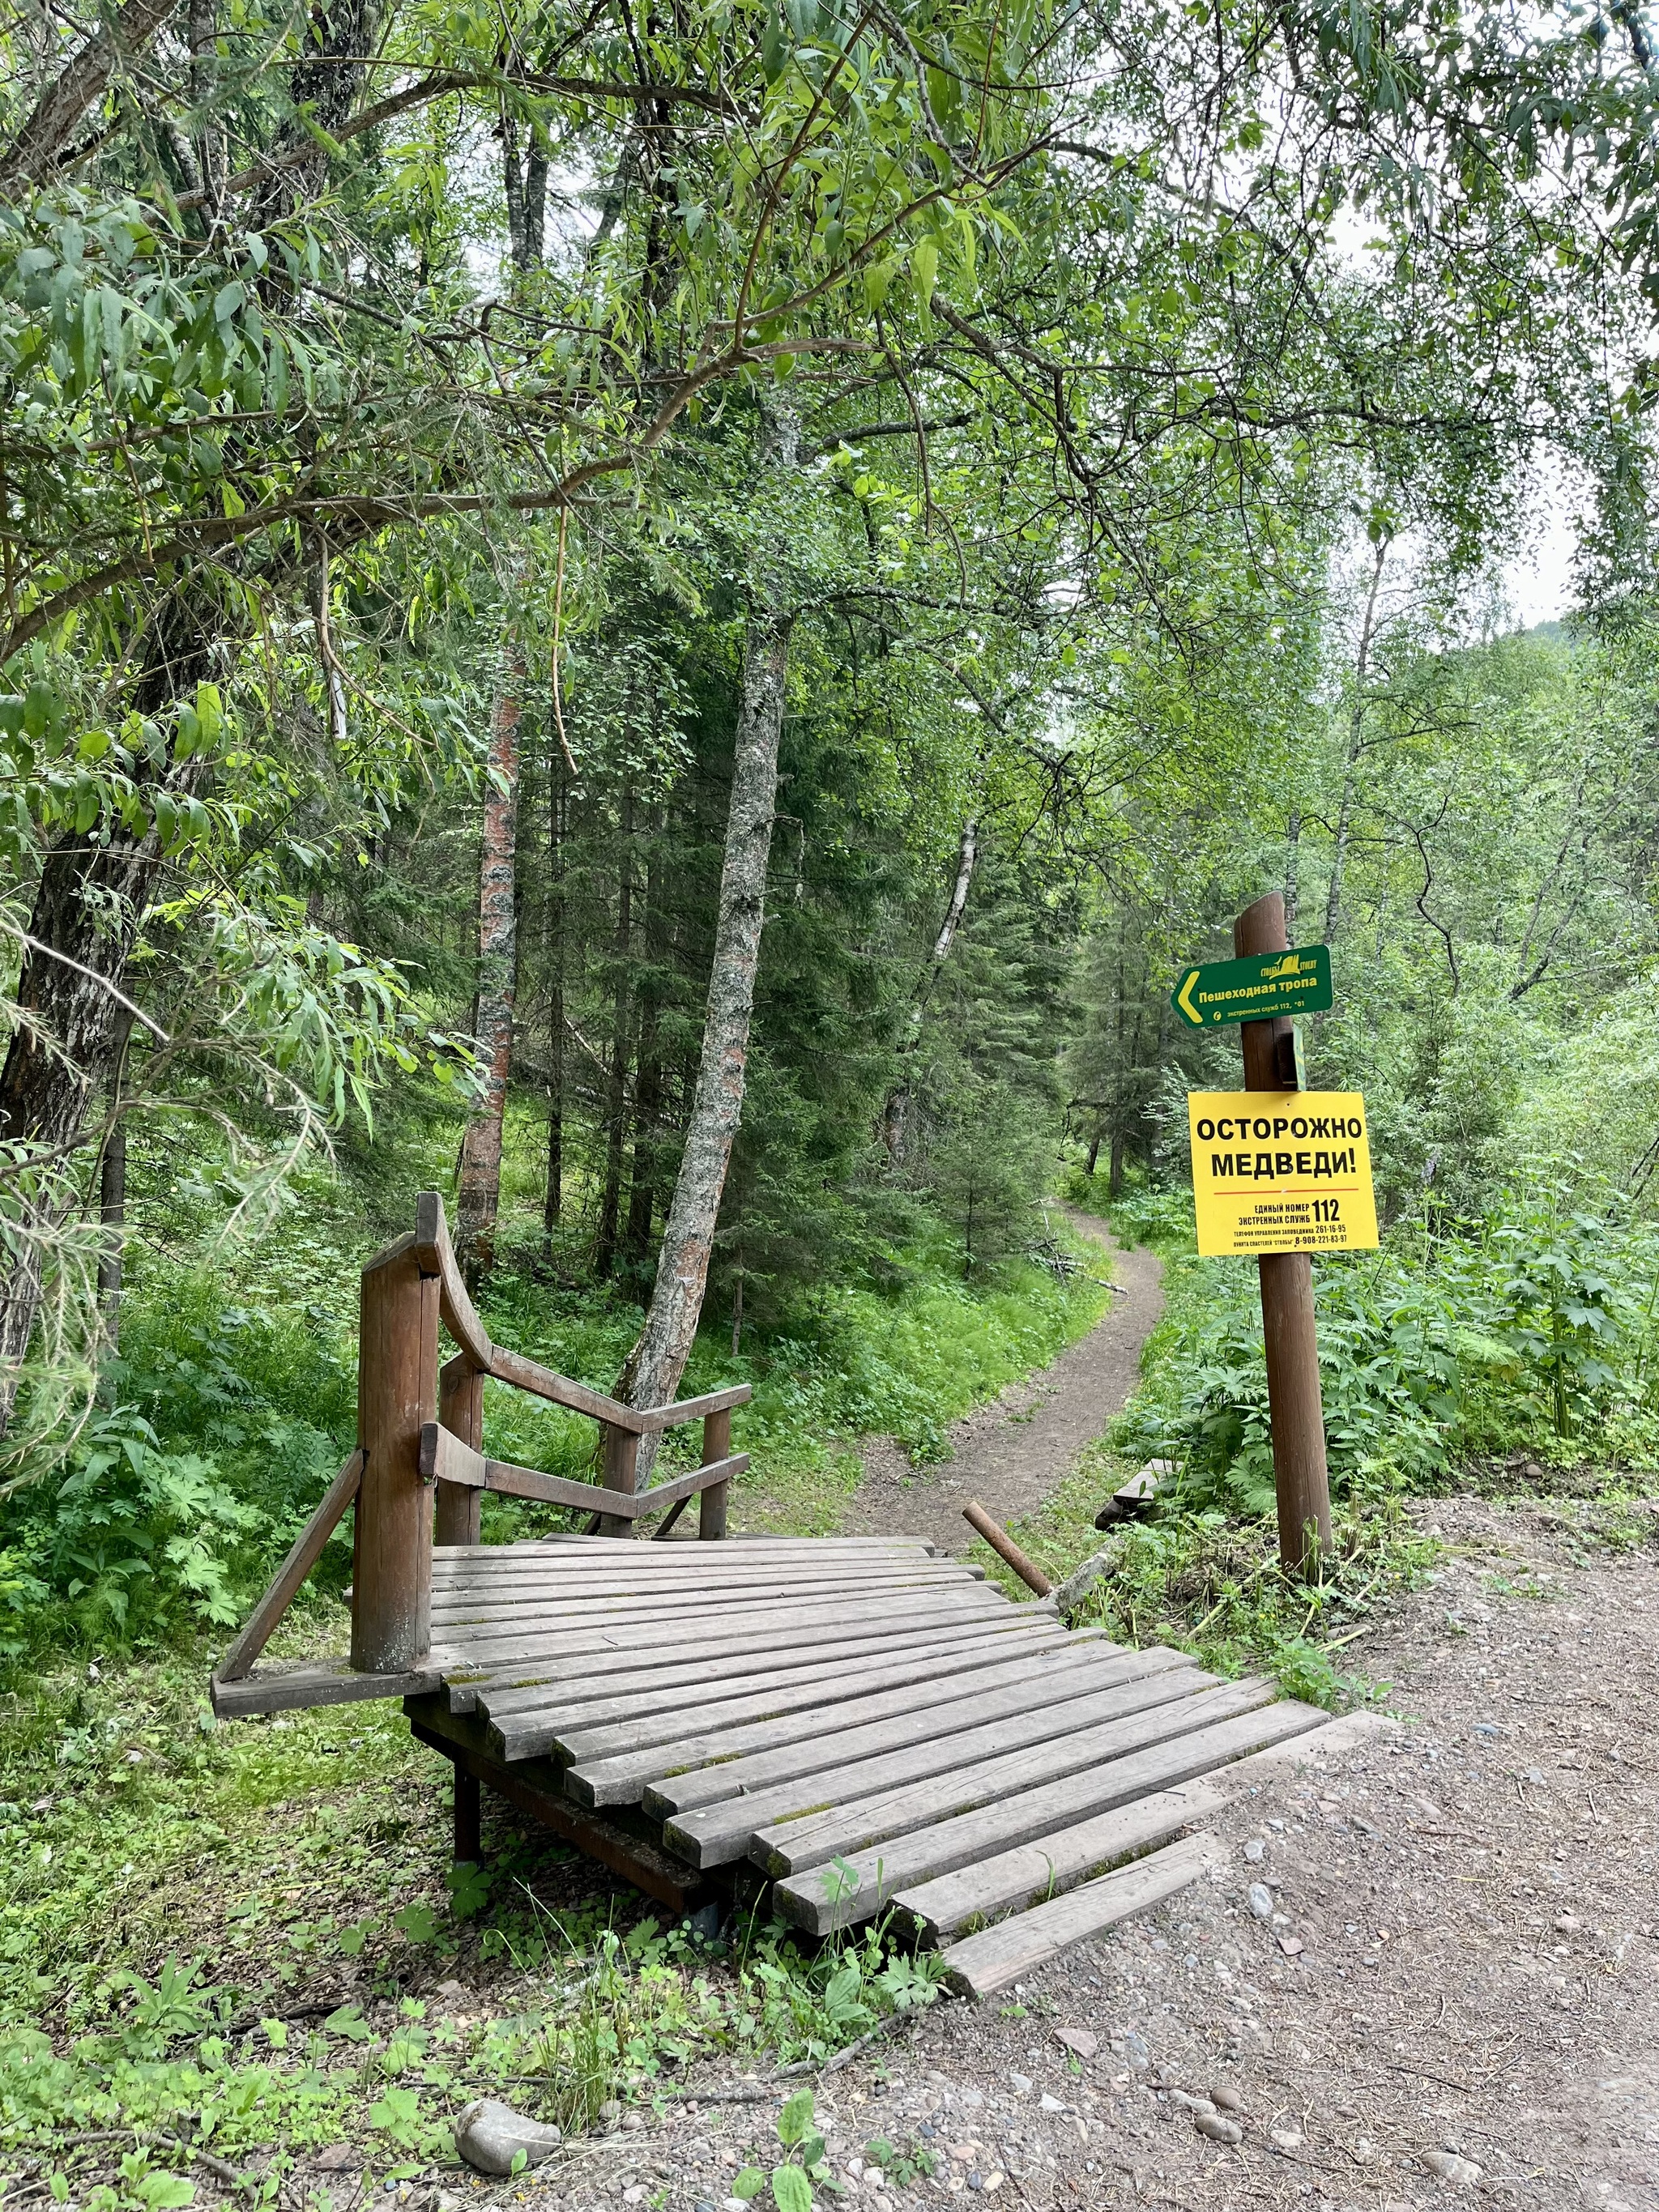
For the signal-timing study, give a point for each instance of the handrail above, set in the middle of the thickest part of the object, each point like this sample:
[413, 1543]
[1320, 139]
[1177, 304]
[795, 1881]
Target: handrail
[444, 1458]
[435, 1255]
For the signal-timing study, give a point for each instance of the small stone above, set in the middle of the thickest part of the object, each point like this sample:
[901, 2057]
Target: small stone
[1226, 2100]
[134, 1759]
[489, 2135]
[1290, 1946]
[1051, 2104]
[1567, 1923]
[1536, 1776]
[636, 2194]
[995, 2179]
[1077, 2040]
[1217, 2129]
[1255, 1851]
[977, 2180]
[1184, 2103]
[633, 2121]
[1456, 2173]
[734, 2204]
[453, 1993]
[1287, 2138]
[337, 2156]
[1489, 1730]
[703, 2204]
[1261, 1900]
[1136, 2049]
[1365, 2151]
[1022, 2084]
[610, 2112]
[855, 2168]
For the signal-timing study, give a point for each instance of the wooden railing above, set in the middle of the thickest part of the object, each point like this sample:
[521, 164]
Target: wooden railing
[419, 1472]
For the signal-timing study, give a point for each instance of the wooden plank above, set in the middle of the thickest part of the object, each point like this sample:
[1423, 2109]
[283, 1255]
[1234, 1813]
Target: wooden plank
[981, 1965]
[745, 1628]
[1009, 1880]
[571, 1546]
[435, 1255]
[621, 1588]
[560, 1390]
[843, 1809]
[827, 1699]
[787, 1847]
[695, 1409]
[727, 1657]
[671, 1697]
[306, 1550]
[734, 1561]
[824, 1897]
[475, 1630]
[534, 1789]
[278, 1688]
[1033, 1696]
[446, 1458]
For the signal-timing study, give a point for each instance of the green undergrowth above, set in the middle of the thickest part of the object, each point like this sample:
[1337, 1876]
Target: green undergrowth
[248, 1937]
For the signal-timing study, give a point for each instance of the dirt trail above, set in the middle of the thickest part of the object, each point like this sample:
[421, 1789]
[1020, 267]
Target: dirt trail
[1010, 1454]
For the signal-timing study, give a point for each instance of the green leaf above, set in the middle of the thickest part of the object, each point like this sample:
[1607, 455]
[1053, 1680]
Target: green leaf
[749, 2184]
[795, 2120]
[791, 2190]
[418, 1923]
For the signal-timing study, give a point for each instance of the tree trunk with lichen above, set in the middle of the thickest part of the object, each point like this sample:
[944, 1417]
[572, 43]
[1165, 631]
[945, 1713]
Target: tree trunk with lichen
[477, 1199]
[652, 1373]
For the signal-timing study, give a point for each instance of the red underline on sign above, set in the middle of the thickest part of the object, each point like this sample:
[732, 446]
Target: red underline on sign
[1298, 1190]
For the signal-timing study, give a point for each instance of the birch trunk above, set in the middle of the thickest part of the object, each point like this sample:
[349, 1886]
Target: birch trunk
[652, 1372]
[895, 1118]
[478, 1198]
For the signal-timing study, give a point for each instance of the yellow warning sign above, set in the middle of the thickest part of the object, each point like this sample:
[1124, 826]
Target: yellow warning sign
[1281, 1171]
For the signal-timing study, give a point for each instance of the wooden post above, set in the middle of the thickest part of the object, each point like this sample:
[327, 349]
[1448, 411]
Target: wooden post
[618, 1470]
[1294, 1406]
[469, 1818]
[460, 1410]
[397, 1391]
[716, 1445]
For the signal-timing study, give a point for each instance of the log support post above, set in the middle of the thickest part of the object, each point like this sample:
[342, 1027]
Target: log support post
[619, 1466]
[469, 1818]
[397, 1392]
[1295, 1408]
[716, 1445]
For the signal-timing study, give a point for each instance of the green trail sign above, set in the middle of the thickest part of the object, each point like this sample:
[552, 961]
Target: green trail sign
[1258, 989]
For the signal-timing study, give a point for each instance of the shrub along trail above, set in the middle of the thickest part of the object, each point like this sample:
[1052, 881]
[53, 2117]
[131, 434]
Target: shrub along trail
[1012, 1453]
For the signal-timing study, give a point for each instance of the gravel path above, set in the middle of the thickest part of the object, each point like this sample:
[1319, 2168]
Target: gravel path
[1010, 1454]
[1462, 1972]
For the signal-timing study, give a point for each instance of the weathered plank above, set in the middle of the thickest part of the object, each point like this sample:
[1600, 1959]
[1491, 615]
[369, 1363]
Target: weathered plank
[489, 1610]
[661, 1703]
[1034, 1696]
[791, 1697]
[825, 1896]
[303, 1555]
[678, 1563]
[787, 1847]
[837, 1703]
[1008, 1882]
[727, 1666]
[750, 1628]
[278, 1687]
[844, 1808]
[981, 1965]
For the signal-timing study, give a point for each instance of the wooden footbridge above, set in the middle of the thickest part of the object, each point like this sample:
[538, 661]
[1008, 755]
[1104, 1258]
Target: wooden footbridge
[864, 1724]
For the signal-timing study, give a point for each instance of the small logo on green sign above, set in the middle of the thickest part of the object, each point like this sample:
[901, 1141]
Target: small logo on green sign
[1258, 989]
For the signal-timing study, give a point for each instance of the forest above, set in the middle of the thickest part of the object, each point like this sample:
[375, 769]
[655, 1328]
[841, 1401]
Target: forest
[673, 623]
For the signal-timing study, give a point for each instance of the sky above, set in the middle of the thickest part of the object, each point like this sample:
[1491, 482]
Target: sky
[1537, 581]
